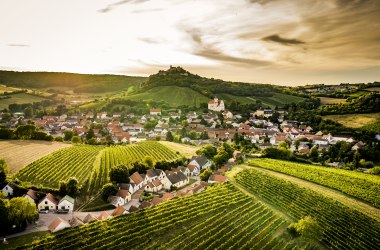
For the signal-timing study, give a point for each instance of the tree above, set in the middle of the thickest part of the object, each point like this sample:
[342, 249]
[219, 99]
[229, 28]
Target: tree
[169, 136]
[68, 135]
[107, 190]
[25, 131]
[76, 139]
[90, 134]
[356, 160]
[148, 161]
[314, 153]
[221, 158]
[307, 227]
[4, 221]
[58, 138]
[92, 141]
[72, 187]
[119, 174]
[61, 109]
[21, 210]
[208, 150]
[3, 166]
[205, 174]
[374, 170]
[62, 188]
[283, 145]
[28, 111]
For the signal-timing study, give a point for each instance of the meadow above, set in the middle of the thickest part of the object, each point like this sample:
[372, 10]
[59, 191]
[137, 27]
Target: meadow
[20, 98]
[354, 120]
[329, 100]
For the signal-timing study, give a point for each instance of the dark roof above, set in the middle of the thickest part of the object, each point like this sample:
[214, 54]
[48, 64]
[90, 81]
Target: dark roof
[123, 186]
[201, 160]
[133, 208]
[153, 172]
[32, 194]
[176, 177]
[145, 204]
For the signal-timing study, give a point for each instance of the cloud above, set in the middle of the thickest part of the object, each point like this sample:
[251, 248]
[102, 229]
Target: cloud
[109, 7]
[18, 45]
[284, 41]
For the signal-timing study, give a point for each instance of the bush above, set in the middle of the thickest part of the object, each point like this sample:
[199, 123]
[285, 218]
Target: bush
[107, 190]
[375, 170]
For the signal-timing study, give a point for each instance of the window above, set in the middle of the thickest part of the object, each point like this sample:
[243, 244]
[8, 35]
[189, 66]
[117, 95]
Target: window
[46, 202]
[6, 188]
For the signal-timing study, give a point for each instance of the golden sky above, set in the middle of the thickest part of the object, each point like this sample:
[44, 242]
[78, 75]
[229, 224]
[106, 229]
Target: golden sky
[287, 42]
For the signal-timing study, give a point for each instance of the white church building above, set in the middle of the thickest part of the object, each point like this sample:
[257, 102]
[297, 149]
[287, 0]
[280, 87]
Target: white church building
[216, 104]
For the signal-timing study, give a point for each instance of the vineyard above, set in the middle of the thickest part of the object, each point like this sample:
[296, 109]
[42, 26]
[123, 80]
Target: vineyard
[359, 185]
[219, 218]
[338, 223]
[76, 161]
[126, 155]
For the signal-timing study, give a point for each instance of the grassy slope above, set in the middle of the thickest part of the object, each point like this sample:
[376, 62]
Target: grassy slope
[18, 154]
[328, 100]
[278, 99]
[174, 96]
[19, 99]
[354, 120]
[80, 82]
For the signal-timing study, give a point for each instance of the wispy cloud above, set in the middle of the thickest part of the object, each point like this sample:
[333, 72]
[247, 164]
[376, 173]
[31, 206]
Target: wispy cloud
[285, 41]
[109, 7]
[18, 45]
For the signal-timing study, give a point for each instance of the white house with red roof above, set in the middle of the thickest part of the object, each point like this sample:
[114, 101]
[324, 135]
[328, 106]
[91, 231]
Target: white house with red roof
[49, 202]
[216, 105]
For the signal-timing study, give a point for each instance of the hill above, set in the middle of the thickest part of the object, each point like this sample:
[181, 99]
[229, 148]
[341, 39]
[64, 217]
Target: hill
[20, 98]
[174, 96]
[78, 82]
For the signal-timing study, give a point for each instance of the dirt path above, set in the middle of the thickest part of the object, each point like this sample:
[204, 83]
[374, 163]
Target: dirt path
[328, 192]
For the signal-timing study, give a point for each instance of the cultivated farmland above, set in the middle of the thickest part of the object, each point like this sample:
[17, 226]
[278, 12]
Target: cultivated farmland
[18, 154]
[219, 218]
[359, 185]
[76, 161]
[354, 120]
[337, 222]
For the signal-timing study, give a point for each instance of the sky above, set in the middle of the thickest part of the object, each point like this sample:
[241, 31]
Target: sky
[285, 42]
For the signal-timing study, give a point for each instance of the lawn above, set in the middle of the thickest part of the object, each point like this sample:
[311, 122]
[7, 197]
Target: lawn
[354, 120]
[186, 150]
[19, 99]
[98, 204]
[278, 99]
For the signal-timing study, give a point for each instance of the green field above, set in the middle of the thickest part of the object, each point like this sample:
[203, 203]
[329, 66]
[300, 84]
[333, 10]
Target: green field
[219, 218]
[172, 95]
[354, 120]
[278, 99]
[4, 88]
[19, 99]
[76, 161]
[126, 155]
[363, 186]
[337, 222]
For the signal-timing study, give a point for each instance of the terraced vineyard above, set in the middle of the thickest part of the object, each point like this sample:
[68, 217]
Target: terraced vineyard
[219, 218]
[76, 161]
[342, 227]
[126, 155]
[359, 185]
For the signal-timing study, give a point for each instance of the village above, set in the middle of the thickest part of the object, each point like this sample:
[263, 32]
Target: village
[58, 214]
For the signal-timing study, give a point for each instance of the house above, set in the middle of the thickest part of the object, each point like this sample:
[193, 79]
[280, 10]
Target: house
[129, 187]
[264, 145]
[9, 188]
[155, 112]
[358, 145]
[58, 224]
[154, 186]
[133, 209]
[103, 215]
[201, 162]
[216, 104]
[156, 200]
[177, 179]
[138, 179]
[66, 202]
[119, 211]
[153, 174]
[227, 115]
[125, 195]
[116, 200]
[31, 195]
[264, 112]
[145, 204]
[76, 222]
[184, 170]
[90, 218]
[192, 170]
[49, 202]
[215, 178]
[167, 196]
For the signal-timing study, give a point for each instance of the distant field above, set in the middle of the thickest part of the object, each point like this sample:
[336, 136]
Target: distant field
[4, 88]
[18, 154]
[19, 99]
[354, 120]
[173, 95]
[186, 150]
[328, 100]
[278, 99]
[374, 89]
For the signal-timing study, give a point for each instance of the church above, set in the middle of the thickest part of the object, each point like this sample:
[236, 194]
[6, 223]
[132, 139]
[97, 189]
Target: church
[216, 104]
